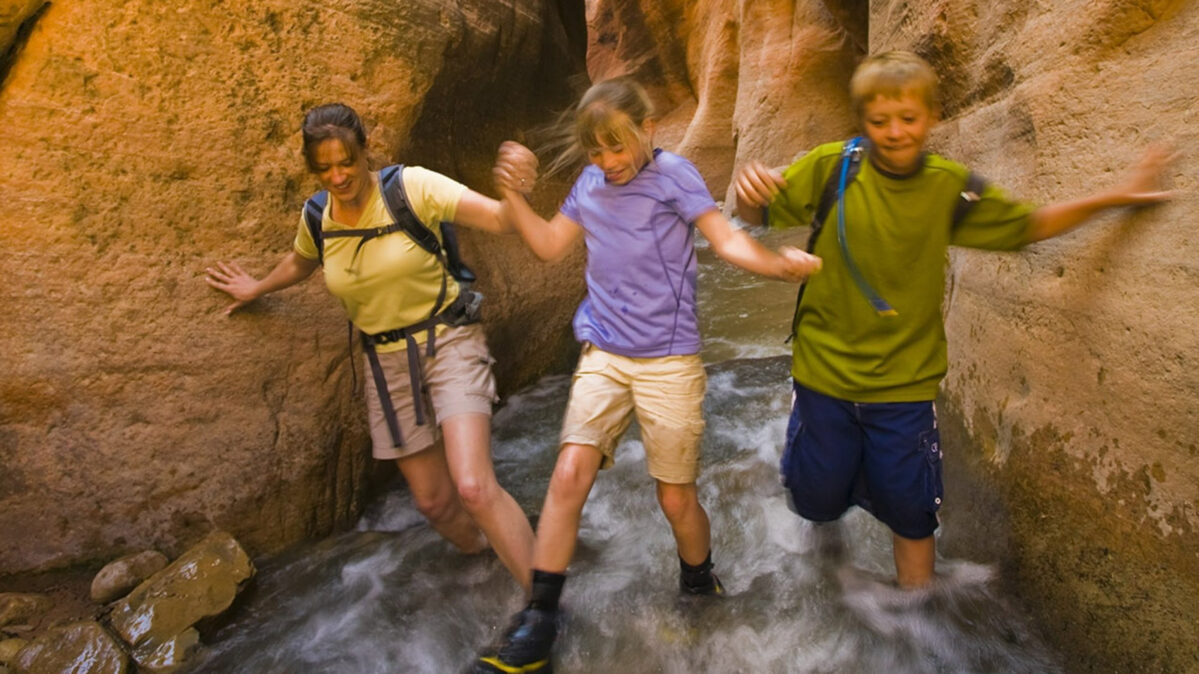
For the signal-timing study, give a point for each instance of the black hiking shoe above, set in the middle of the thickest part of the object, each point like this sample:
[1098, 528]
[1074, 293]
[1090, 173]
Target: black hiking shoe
[525, 647]
[709, 587]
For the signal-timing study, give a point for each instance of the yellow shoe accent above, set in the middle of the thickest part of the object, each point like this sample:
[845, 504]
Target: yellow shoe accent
[515, 669]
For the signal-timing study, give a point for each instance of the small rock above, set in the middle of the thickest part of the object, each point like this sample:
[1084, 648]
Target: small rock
[9, 649]
[18, 609]
[78, 647]
[117, 578]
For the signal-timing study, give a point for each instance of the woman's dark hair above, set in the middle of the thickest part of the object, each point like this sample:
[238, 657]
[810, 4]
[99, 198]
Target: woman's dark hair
[332, 120]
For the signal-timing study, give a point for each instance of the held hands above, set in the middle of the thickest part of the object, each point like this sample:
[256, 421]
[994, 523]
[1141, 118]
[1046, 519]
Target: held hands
[232, 279]
[515, 168]
[797, 265]
[756, 185]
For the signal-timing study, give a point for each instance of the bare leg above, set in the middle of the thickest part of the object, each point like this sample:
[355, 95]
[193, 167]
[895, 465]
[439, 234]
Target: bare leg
[914, 560]
[558, 528]
[495, 512]
[688, 520]
[428, 479]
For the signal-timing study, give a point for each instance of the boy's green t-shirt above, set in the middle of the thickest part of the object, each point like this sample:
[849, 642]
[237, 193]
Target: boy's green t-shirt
[898, 232]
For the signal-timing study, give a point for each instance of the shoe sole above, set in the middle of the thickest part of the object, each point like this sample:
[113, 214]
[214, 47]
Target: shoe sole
[495, 666]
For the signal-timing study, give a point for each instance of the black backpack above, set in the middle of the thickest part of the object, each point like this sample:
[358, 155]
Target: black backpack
[396, 201]
[850, 164]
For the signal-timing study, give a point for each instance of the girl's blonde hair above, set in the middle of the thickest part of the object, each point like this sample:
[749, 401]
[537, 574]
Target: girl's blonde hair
[892, 74]
[612, 112]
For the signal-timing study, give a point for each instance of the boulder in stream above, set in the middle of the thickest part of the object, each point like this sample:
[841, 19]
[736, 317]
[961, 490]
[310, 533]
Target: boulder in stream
[84, 647]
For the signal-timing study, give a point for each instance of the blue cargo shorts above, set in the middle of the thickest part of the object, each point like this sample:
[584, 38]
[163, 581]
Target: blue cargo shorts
[884, 457]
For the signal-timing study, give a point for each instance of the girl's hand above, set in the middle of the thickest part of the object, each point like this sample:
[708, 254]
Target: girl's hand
[515, 168]
[798, 265]
[756, 185]
[232, 279]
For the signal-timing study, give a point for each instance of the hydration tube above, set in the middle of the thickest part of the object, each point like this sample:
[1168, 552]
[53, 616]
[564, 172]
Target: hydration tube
[852, 152]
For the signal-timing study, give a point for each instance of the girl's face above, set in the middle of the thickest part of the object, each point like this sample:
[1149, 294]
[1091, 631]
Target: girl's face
[347, 179]
[621, 162]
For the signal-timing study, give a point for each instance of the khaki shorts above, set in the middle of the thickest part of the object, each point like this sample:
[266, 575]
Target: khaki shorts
[666, 393]
[457, 378]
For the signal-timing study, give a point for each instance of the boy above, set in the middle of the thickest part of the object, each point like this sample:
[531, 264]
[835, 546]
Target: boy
[869, 346]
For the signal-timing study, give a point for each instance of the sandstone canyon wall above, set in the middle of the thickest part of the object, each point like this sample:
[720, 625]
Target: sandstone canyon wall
[145, 140]
[1070, 410]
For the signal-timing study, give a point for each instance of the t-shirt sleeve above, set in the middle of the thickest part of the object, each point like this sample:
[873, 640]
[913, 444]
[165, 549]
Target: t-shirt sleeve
[304, 246]
[570, 207]
[795, 205]
[432, 197]
[689, 196]
[996, 222]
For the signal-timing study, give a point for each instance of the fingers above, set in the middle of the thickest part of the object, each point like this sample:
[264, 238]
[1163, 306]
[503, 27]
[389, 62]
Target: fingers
[798, 264]
[757, 185]
[515, 167]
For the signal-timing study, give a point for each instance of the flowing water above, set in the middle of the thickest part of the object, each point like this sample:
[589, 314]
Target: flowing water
[393, 597]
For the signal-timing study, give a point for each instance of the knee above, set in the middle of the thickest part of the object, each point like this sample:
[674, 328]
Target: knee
[678, 504]
[570, 480]
[436, 507]
[476, 494]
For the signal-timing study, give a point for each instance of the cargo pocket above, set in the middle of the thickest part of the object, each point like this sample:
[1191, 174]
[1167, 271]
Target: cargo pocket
[930, 447]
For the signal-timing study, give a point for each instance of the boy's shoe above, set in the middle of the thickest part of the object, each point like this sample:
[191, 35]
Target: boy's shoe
[525, 647]
[710, 587]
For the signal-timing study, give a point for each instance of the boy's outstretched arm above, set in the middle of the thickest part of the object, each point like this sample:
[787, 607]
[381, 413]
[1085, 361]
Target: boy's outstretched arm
[756, 186]
[739, 248]
[515, 171]
[1140, 188]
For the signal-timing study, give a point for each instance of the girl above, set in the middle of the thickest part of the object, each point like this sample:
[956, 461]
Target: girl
[389, 283]
[636, 208]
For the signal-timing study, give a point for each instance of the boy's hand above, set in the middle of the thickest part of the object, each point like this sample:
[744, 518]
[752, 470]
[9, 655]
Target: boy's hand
[756, 185]
[515, 168]
[798, 265]
[1143, 184]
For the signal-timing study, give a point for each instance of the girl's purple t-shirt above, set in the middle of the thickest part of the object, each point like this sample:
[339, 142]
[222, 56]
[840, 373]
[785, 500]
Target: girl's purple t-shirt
[640, 257]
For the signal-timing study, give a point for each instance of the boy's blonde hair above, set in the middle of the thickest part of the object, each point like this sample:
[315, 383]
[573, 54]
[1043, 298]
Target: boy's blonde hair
[612, 112]
[893, 74]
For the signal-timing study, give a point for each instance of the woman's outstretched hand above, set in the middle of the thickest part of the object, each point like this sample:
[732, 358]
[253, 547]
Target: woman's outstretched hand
[515, 168]
[229, 277]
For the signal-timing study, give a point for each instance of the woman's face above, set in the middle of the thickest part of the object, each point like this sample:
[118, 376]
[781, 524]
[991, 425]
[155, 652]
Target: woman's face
[347, 179]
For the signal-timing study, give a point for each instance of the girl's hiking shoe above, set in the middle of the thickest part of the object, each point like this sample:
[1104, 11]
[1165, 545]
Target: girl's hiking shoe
[709, 586]
[525, 647]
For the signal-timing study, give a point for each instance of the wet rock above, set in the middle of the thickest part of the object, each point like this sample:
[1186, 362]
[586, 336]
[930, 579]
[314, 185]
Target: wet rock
[169, 655]
[117, 578]
[9, 649]
[83, 648]
[156, 617]
[19, 610]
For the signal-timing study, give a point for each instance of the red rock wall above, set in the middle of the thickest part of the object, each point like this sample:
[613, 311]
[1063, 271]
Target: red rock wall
[143, 141]
[1070, 408]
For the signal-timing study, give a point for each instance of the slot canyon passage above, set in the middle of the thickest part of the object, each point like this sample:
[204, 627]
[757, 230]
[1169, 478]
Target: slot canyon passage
[143, 141]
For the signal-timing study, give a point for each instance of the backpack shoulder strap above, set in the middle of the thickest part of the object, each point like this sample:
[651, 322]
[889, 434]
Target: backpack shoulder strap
[314, 214]
[852, 154]
[970, 195]
[396, 200]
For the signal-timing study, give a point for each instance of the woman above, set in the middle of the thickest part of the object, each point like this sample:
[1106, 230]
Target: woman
[388, 283]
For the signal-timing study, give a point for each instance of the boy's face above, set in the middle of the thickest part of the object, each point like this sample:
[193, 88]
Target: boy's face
[898, 127]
